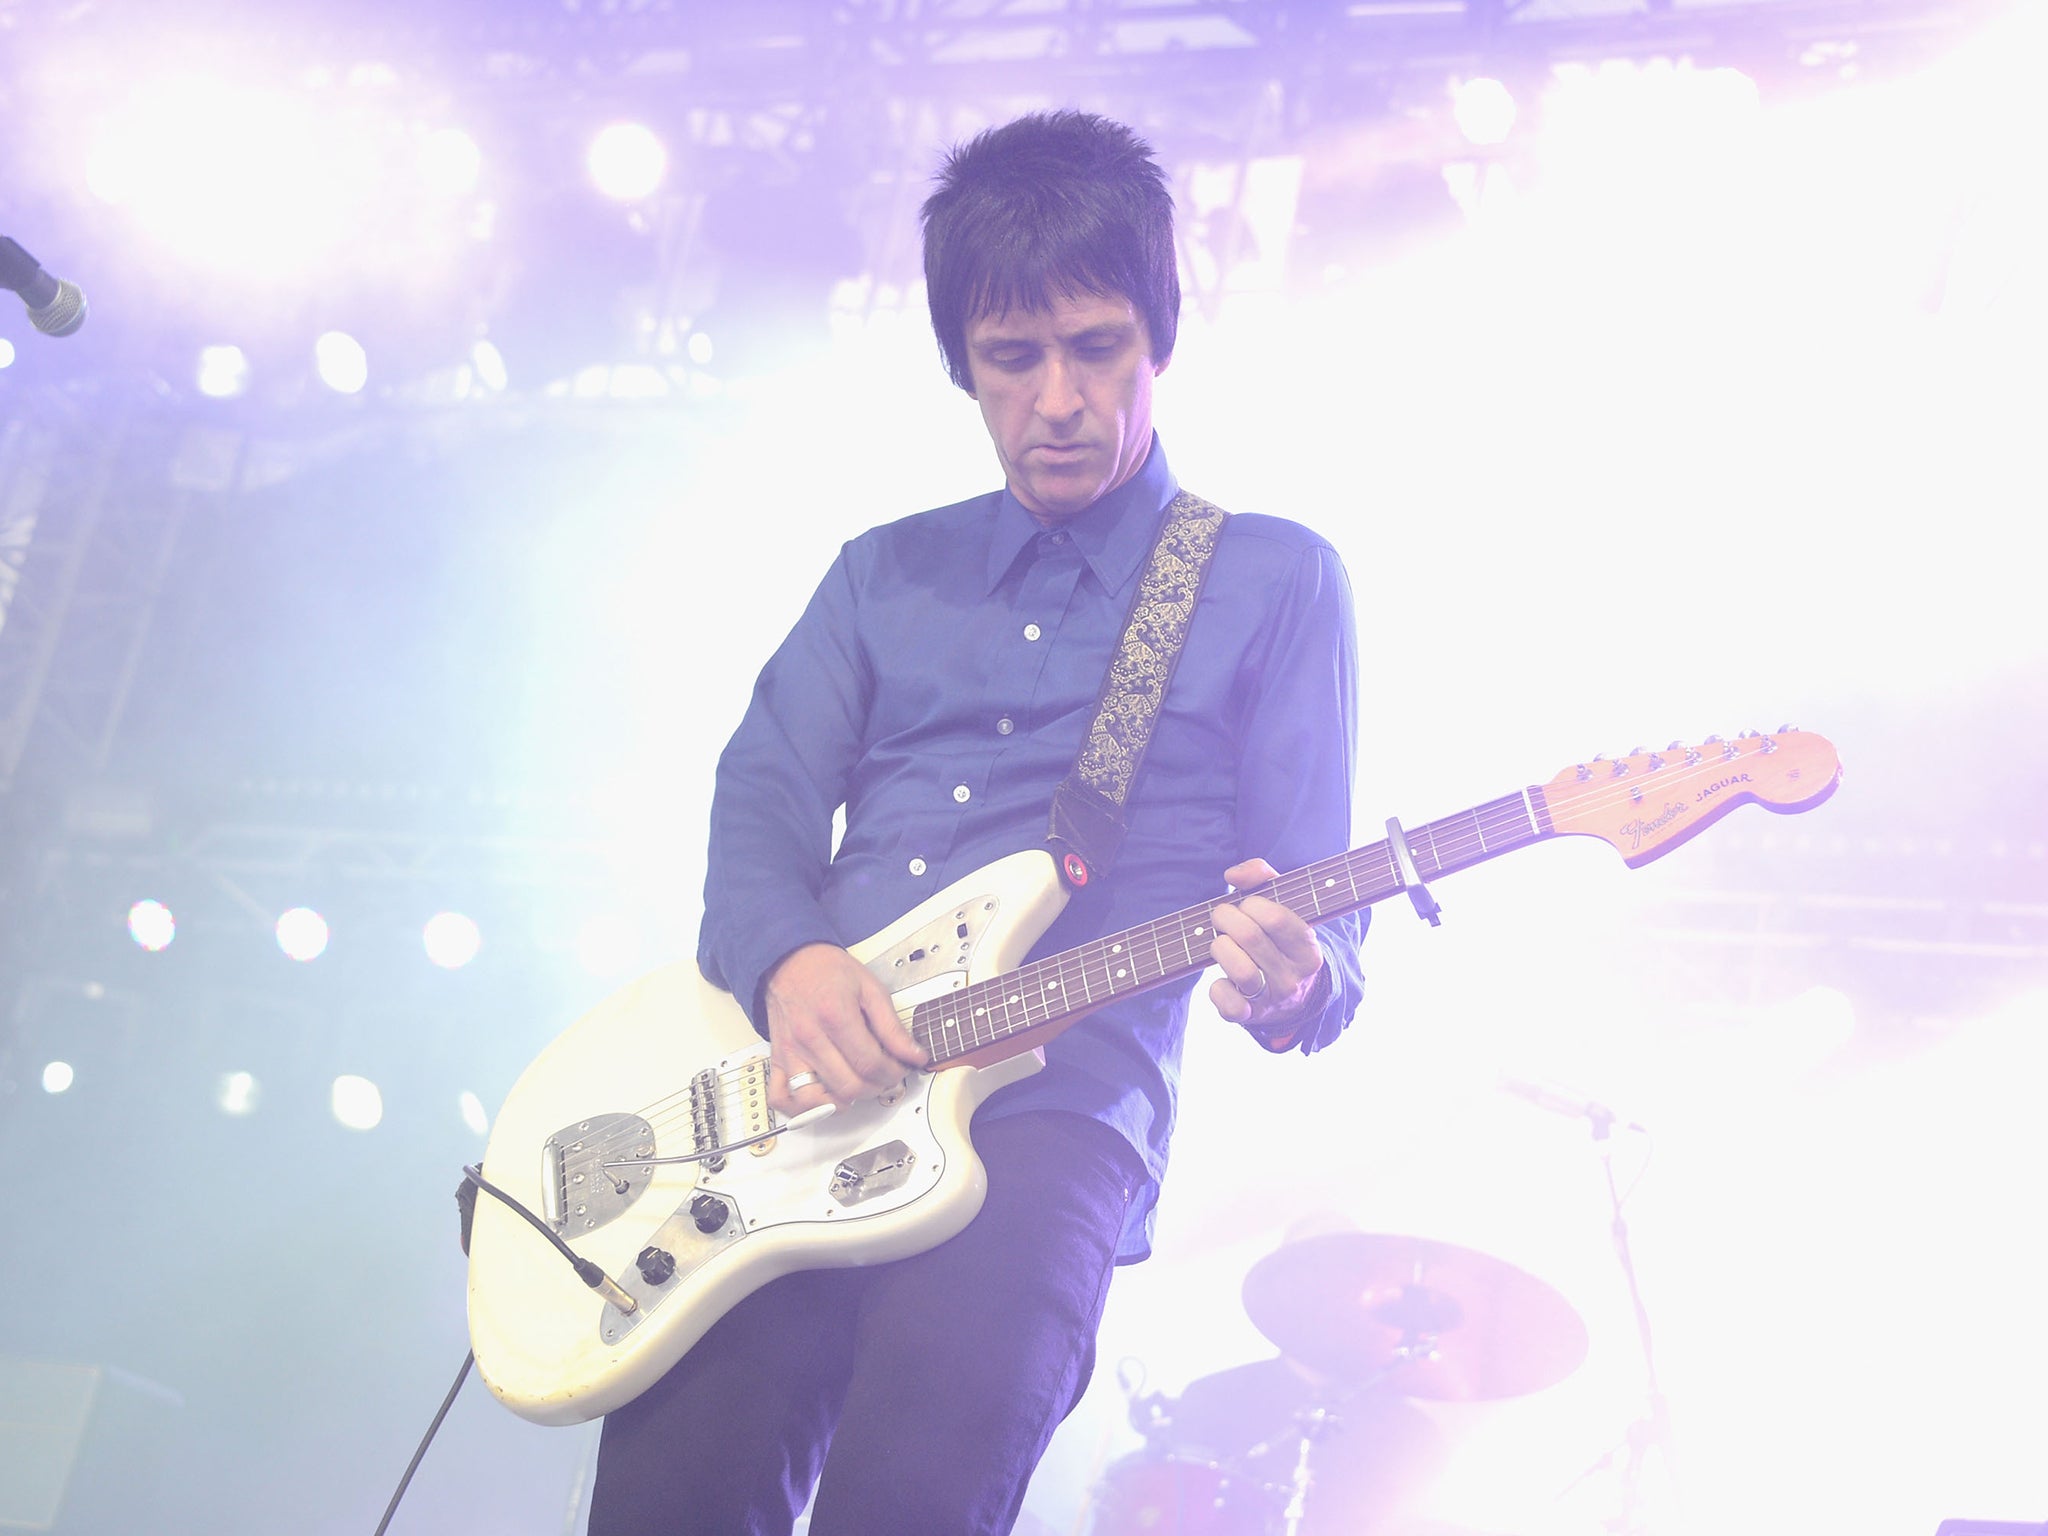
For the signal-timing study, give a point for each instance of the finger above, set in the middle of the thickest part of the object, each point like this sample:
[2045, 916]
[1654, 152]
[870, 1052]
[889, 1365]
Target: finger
[1241, 929]
[1228, 1002]
[1284, 930]
[789, 1098]
[1245, 978]
[841, 1082]
[1242, 877]
[889, 1029]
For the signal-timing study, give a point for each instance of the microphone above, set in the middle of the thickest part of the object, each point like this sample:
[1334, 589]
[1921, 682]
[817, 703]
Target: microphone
[1571, 1106]
[55, 307]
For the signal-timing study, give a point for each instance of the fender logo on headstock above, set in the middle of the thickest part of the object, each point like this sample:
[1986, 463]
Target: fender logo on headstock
[1638, 830]
[1720, 784]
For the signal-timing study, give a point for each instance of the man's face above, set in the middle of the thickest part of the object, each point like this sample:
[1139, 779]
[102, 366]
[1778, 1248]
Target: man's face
[1066, 394]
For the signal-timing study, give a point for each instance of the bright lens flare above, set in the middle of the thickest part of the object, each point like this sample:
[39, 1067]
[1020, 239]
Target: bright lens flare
[151, 925]
[237, 1093]
[356, 1102]
[302, 934]
[452, 940]
[1484, 109]
[344, 365]
[58, 1076]
[627, 162]
[223, 372]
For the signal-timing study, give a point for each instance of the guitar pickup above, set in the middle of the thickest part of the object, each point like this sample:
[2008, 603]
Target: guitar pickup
[873, 1172]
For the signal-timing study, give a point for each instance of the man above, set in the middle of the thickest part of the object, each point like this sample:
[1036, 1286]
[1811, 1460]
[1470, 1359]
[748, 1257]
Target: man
[937, 688]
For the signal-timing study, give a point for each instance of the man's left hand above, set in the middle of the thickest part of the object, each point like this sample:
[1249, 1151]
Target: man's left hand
[1269, 955]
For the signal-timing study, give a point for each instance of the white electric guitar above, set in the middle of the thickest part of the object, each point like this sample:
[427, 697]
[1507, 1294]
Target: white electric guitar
[642, 1138]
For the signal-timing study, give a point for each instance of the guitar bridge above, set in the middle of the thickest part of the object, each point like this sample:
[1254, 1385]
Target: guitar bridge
[579, 1193]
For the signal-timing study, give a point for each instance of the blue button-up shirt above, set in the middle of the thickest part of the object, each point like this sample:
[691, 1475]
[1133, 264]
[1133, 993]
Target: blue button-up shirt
[939, 685]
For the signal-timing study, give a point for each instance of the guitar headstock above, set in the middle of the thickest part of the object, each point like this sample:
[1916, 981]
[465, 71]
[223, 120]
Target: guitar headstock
[1648, 803]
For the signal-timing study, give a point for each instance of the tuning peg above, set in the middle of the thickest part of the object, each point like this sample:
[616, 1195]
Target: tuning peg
[1785, 728]
[1745, 735]
[1676, 746]
[1637, 751]
[1716, 740]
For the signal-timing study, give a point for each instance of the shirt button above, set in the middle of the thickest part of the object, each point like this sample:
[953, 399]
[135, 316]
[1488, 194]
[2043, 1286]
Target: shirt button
[1005, 725]
[1032, 631]
[1058, 537]
[961, 793]
[917, 866]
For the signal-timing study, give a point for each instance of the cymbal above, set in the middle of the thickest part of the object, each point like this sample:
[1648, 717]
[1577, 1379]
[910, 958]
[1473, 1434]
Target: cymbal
[1346, 1303]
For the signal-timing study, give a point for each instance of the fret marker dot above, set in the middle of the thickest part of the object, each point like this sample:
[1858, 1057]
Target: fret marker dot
[1016, 997]
[1121, 973]
[1116, 949]
[1198, 930]
[1329, 882]
[1052, 986]
[979, 1012]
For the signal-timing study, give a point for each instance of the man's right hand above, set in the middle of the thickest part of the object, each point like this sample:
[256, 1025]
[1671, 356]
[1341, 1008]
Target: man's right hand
[828, 1015]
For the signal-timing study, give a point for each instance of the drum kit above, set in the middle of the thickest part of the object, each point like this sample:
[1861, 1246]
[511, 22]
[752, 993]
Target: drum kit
[1324, 1440]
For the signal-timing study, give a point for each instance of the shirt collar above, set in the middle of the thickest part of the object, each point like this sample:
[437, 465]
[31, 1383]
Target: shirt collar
[1113, 536]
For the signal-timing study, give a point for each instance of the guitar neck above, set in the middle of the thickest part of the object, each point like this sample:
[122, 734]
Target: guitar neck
[1039, 997]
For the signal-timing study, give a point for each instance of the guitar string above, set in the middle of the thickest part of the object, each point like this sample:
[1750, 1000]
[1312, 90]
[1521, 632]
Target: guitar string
[1448, 851]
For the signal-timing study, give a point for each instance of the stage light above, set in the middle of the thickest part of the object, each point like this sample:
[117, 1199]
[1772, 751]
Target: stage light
[237, 1093]
[151, 925]
[698, 349]
[58, 1076]
[450, 162]
[452, 940]
[356, 1102]
[6, 353]
[473, 1114]
[223, 372]
[344, 365]
[302, 934]
[489, 364]
[627, 162]
[1484, 110]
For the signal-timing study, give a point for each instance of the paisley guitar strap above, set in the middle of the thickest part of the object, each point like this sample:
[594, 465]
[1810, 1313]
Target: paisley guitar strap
[1087, 827]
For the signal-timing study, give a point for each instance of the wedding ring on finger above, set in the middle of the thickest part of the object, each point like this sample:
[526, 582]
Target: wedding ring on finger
[801, 1080]
[1253, 996]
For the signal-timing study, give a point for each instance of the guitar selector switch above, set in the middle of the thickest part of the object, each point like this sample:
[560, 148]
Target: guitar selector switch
[709, 1212]
[657, 1265]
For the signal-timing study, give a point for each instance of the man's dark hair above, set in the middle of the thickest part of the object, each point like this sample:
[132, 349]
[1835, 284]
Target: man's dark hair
[1056, 205]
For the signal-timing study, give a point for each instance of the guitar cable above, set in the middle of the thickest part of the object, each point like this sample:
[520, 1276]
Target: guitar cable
[426, 1440]
[589, 1273]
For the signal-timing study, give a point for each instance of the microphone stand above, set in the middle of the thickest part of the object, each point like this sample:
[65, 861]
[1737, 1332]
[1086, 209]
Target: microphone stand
[1652, 1428]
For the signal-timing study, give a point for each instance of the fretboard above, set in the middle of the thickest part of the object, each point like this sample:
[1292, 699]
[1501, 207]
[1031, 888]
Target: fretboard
[1044, 992]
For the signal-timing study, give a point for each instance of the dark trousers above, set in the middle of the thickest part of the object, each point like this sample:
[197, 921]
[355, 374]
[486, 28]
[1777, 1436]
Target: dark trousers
[917, 1396]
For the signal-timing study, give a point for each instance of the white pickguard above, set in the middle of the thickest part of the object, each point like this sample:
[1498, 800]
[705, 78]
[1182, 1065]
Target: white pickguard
[875, 1181]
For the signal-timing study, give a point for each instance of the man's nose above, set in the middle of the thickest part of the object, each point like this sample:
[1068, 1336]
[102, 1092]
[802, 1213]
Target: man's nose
[1059, 396]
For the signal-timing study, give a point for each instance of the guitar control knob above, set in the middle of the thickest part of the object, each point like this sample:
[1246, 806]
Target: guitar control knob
[657, 1265]
[709, 1212]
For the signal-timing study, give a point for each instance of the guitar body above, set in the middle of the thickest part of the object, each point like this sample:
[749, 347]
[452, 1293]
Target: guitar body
[670, 1066]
